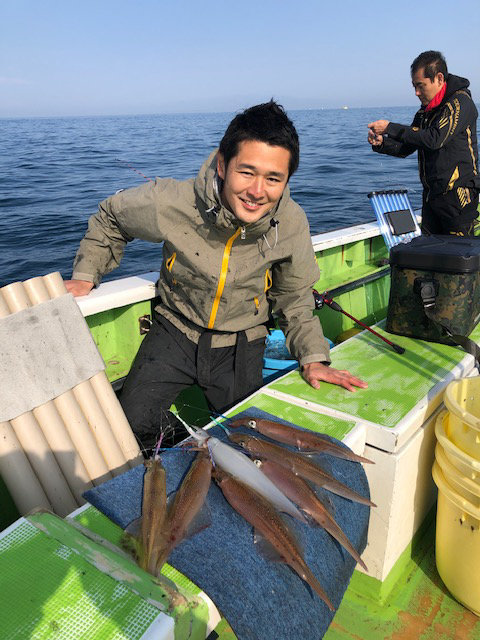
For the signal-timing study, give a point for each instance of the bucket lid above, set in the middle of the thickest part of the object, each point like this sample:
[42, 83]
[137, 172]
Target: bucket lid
[461, 387]
[451, 494]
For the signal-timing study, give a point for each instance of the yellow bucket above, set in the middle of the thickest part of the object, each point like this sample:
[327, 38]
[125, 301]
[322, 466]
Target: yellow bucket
[457, 548]
[462, 399]
[465, 487]
[463, 462]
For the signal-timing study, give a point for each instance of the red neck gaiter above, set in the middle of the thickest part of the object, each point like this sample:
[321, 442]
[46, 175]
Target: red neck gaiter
[437, 99]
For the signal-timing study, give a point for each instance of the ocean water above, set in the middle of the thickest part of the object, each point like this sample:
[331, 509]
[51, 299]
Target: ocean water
[55, 171]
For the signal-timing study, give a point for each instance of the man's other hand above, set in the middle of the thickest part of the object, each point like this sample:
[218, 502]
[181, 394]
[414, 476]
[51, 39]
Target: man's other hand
[316, 372]
[78, 287]
[379, 126]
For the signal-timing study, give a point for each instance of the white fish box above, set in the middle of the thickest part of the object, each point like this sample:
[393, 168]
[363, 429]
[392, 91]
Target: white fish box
[402, 487]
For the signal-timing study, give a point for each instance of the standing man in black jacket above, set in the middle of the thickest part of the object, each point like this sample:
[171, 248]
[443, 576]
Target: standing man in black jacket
[444, 132]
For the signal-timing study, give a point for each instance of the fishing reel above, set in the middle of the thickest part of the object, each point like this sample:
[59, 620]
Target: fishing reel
[322, 299]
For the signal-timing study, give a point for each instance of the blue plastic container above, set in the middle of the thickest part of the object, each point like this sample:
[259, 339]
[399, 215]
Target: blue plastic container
[277, 359]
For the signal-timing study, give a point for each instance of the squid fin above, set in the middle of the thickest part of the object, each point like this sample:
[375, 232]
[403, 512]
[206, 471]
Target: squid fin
[266, 548]
[133, 528]
[201, 521]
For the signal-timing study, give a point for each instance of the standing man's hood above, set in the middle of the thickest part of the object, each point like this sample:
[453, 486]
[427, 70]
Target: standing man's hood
[455, 83]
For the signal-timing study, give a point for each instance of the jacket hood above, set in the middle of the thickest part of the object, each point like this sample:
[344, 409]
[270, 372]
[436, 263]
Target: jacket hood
[207, 190]
[455, 83]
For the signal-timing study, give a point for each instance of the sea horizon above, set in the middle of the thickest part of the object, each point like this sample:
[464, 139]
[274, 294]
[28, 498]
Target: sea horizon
[198, 112]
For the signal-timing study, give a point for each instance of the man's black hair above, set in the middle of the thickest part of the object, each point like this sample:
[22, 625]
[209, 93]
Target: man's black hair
[267, 123]
[432, 62]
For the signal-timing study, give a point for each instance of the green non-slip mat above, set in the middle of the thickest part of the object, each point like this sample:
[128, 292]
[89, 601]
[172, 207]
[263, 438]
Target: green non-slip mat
[396, 382]
[49, 591]
[301, 416]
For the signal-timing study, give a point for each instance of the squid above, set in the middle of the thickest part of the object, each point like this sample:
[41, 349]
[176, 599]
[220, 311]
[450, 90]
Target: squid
[265, 519]
[303, 495]
[300, 438]
[298, 463]
[188, 501]
[153, 536]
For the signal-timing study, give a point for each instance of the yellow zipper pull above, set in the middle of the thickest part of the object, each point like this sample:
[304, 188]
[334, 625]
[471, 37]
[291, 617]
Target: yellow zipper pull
[170, 261]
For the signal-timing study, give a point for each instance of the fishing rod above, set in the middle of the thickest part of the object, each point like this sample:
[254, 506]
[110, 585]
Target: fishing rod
[322, 298]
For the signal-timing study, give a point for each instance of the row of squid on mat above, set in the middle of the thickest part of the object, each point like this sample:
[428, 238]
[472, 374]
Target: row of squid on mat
[269, 480]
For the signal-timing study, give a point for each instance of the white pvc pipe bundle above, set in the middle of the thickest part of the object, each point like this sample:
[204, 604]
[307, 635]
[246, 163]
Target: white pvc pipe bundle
[49, 456]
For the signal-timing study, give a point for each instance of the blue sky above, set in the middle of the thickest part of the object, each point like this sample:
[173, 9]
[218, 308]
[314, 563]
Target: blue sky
[117, 57]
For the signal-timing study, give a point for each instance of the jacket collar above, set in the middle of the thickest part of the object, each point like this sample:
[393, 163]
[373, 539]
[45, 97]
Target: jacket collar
[454, 84]
[436, 101]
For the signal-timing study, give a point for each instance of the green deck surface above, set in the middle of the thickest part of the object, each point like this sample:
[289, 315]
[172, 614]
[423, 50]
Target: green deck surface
[418, 606]
[335, 427]
[396, 382]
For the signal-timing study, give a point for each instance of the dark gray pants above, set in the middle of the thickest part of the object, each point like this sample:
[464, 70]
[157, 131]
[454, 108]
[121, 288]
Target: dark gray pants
[168, 362]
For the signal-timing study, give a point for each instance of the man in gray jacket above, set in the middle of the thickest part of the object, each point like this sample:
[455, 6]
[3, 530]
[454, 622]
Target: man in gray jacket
[236, 247]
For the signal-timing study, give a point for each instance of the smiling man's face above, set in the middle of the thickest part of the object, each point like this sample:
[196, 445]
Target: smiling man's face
[254, 180]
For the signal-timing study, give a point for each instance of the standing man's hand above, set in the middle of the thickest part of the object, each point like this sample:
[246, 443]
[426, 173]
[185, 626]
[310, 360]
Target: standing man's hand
[379, 126]
[374, 138]
[315, 372]
[78, 287]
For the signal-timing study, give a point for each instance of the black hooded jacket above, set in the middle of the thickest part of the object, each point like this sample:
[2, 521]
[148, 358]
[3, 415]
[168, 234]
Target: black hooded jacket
[445, 138]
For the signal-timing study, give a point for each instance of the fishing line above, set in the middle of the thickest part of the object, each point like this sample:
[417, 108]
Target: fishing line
[210, 453]
[208, 412]
[214, 415]
[157, 448]
[133, 168]
[221, 425]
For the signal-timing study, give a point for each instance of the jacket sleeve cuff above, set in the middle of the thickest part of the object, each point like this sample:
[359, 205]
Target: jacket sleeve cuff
[316, 357]
[78, 275]
[396, 131]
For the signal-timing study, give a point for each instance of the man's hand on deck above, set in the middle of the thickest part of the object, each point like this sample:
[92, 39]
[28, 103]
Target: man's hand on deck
[316, 372]
[78, 287]
[379, 126]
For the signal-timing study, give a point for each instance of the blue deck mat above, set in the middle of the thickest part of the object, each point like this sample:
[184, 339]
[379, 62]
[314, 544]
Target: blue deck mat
[262, 600]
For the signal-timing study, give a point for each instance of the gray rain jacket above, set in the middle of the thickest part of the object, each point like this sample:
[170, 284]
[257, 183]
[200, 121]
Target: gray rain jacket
[216, 273]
